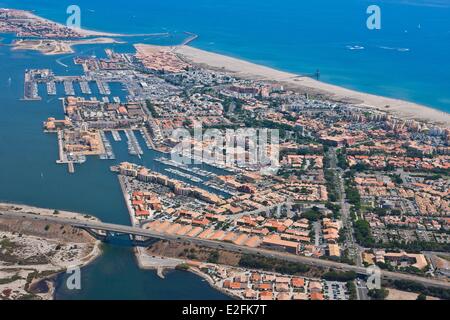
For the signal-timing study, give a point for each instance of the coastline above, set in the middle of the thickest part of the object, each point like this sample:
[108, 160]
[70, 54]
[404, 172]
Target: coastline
[211, 283]
[59, 47]
[48, 273]
[247, 70]
[84, 33]
[81, 31]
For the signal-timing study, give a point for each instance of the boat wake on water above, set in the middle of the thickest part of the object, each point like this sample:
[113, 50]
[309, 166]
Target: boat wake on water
[355, 47]
[395, 49]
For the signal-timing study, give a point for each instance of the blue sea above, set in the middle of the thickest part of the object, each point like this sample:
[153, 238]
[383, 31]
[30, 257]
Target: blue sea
[406, 59]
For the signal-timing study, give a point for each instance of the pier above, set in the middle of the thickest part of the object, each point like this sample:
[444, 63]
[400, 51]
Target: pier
[192, 37]
[148, 140]
[68, 88]
[116, 135]
[109, 153]
[51, 88]
[31, 91]
[71, 167]
[184, 175]
[184, 167]
[85, 89]
[103, 88]
[133, 145]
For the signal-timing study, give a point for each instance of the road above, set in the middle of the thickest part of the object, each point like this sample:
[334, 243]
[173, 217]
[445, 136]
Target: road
[121, 229]
[361, 290]
[353, 249]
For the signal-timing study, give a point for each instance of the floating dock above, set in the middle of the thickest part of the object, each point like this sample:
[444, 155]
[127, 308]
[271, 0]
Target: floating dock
[103, 88]
[71, 167]
[184, 175]
[109, 153]
[147, 139]
[31, 91]
[51, 88]
[85, 89]
[133, 145]
[68, 88]
[116, 135]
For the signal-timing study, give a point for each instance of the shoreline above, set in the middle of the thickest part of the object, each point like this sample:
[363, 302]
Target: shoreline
[58, 47]
[402, 109]
[81, 31]
[247, 70]
[84, 33]
[211, 283]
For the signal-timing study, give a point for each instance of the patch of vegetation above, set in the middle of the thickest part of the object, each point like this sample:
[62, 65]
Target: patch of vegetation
[396, 178]
[352, 193]
[363, 234]
[421, 297]
[192, 256]
[342, 159]
[335, 208]
[312, 215]
[213, 257]
[182, 267]
[151, 109]
[270, 264]
[351, 287]
[331, 184]
[340, 276]
[378, 294]
[10, 279]
[29, 296]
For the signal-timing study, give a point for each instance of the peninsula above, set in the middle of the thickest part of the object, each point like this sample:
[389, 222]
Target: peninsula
[33, 253]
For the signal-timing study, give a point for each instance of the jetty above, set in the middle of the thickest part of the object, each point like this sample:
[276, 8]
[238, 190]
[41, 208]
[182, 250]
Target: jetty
[133, 145]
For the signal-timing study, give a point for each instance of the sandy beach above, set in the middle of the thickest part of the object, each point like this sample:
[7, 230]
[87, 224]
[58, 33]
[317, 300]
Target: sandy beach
[81, 31]
[243, 69]
[58, 47]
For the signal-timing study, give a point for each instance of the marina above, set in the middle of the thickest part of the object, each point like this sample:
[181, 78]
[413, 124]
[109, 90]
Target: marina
[109, 153]
[184, 175]
[31, 91]
[51, 88]
[133, 145]
[68, 88]
[116, 135]
[219, 188]
[85, 89]
[184, 167]
[103, 88]
[147, 139]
